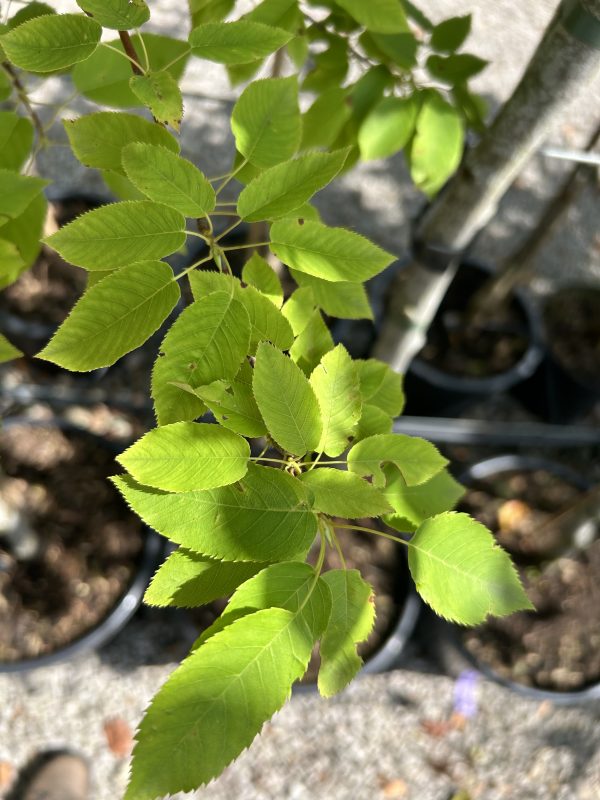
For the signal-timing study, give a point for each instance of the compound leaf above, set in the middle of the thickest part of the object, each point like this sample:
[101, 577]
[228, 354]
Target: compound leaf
[344, 494]
[334, 254]
[416, 459]
[167, 178]
[461, 572]
[239, 42]
[119, 234]
[336, 385]
[286, 401]
[114, 317]
[267, 516]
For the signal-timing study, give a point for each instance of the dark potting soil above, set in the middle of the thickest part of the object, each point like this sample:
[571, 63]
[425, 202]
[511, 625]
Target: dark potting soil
[558, 646]
[88, 543]
[457, 346]
[572, 320]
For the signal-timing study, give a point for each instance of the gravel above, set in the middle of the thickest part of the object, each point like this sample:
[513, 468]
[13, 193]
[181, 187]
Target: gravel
[387, 736]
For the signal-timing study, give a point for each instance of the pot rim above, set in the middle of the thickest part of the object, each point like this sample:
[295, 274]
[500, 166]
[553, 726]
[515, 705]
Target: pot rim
[129, 602]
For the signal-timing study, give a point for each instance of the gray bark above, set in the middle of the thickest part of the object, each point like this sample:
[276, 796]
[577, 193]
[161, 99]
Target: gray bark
[561, 67]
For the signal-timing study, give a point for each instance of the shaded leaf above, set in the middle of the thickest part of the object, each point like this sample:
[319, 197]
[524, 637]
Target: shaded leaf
[451, 33]
[299, 309]
[414, 504]
[381, 386]
[372, 421]
[238, 42]
[416, 459]
[258, 273]
[18, 191]
[8, 352]
[324, 120]
[312, 344]
[455, 68]
[340, 299]
[16, 139]
[120, 15]
[233, 404]
[381, 16]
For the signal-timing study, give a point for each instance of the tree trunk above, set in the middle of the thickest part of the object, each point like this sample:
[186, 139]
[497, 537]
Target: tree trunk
[566, 60]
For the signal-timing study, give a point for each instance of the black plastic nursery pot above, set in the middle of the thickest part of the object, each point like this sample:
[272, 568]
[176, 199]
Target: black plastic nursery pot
[566, 384]
[543, 655]
[89, 559]
[459, 365]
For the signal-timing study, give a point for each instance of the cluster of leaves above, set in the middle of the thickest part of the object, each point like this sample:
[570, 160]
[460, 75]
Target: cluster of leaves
[300, 441]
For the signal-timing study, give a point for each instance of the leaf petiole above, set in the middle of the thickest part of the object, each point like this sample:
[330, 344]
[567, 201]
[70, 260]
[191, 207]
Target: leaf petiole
[371, 530]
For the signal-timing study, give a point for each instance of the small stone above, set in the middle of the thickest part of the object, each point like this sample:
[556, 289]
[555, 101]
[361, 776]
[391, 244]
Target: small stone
[118, 737]
[7, 774]
[395, 788]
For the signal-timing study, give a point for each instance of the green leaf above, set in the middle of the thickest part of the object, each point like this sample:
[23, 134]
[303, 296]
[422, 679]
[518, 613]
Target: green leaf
[274, 12]
[119, 234]
[372, 421]
[381, 386]
[6, 87]
[351, 622]
[237, 42]
[209, 10]
[16, 139]
[98, 139]
[344, 494]
[219, 697]
[186, 456]
[336, 385]
[258, 273]
[400, 48]
[114, 317]
[267, 516]
[167, 178]
[25, 231]
[188, 580]
[51, 42]
[266, 121]
[11, 263]
[121, 187]
[334, 254]
[312, 344]
[104, 77]
[388, 128]
[324, 120]
[286, 401]
[120, 15]
[381, 16]
[8, 352]
[330, 66]
[292, 585]
[461, 572]
[416, 459]
[208, 342]
[18, 191]
[341, 299]
[436, 148]
[418, 16]
[414, 504]
[30, 11]
[159, 92]
[285, 187]
[450, 34]
[299, 309]
[233, 404]
[456, 68]
[368, 90]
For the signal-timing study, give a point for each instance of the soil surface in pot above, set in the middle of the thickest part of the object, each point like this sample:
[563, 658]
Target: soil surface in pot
[88, 543]
[572, 320]
[558, 647]
[457, 346]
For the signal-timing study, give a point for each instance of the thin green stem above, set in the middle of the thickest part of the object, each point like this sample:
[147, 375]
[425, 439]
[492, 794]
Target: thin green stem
[232, 227]
[23, 97]
[315, 462]
[338, 548]
[247, 246]
[198, 235]
[175, 60]
[230, 177]
[371, 530]
[121, 53]
[272, 460]
[145, 52]
[318, 570]
[226, 202]
[192, 267]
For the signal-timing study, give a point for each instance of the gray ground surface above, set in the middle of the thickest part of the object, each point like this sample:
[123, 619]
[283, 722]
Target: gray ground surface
[377, 740]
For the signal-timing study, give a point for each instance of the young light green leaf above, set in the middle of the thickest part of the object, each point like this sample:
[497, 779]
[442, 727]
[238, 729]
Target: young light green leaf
[8, 352]
[220, 697]
[372, 422]
[340, 299]
[351, 622]
[208, 342]
[266, 517]
[114, 317]
[312, 344]
[380, 386]
[16, 138]
[381, 16]
[188, 580]
[167, 178]
[414, 504]
[119, 234]
[233, 404]
[450, 34]
[286, 401]
[104, 77]
[461, 572]
[436, 148]
[258, 273]
[186, 456]
[344, 494]
[159, 92]
[18, 191]
[98, 139]
[416, 459]
[266, 121]
[238, 42]
[299, 309]
[334, 254]
[285, 187]
[120, 15]
[336, 385]
[388, 127]
[51, 42]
